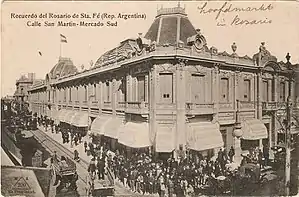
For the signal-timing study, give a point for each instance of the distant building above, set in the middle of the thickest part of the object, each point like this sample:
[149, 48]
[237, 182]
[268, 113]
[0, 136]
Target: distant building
[171, 92]
[22, 86]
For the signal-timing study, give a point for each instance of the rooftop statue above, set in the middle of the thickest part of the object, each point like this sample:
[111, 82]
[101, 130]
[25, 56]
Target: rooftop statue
[263, 51]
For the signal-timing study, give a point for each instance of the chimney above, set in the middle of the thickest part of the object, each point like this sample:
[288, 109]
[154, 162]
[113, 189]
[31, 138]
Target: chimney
[31, 76]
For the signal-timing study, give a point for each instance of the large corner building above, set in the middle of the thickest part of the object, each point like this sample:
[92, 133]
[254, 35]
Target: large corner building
[170, 91]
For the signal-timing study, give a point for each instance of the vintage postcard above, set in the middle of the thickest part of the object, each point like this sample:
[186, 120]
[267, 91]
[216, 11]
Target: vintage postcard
[162, 98]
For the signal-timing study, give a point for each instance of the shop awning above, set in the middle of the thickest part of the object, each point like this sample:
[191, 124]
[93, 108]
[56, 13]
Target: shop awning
[253, 129]
[204, 136]
[54, 115]
[134, 135]
[111, 126]
[67, 116]
[165, 138]
[80, 119]
[96, 125]
[61, 114]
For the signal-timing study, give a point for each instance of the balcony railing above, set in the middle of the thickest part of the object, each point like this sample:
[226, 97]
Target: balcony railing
[137, 107]
[246, 105]
[121, 105]
[94, 103]
[270, 105]
[166, 106]
[224, 106]
[199, 108]
[107, 105]
[281, 105]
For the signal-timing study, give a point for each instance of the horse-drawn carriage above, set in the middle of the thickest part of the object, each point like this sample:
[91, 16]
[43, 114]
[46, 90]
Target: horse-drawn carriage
[65, 172]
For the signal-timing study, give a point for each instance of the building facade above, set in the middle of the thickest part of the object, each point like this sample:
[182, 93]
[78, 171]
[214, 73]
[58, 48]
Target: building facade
[170, 91]
[22, 86]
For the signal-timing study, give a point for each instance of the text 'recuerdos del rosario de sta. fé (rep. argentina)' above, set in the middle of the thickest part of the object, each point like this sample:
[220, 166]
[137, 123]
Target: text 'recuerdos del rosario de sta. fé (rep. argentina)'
[102, 16]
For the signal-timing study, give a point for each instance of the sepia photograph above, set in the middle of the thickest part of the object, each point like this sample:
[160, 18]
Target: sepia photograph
[149, 98]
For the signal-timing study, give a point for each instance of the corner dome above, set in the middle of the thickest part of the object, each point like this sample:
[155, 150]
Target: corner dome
[63, 68]
[170, 26]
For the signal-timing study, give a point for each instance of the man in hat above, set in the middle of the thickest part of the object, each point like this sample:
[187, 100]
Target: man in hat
[101, 168]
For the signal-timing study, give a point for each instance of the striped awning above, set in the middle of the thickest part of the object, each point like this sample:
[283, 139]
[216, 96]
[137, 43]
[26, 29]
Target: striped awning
[204, 136]
[96, 125]
[165, 138]
[111, 126]
[253, 129]
[134, 135]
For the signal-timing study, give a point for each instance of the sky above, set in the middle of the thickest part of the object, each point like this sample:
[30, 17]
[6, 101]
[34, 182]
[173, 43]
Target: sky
[21, 43]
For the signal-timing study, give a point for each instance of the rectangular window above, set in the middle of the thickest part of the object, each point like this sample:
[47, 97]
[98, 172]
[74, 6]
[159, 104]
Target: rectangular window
[265, 91]
[70, 94]
[85, 93]
[197, 88]
[141, 88]
[247, 90]
[64, 95]
[107, 92]
[166, 87]
[282, 96]
[224, 90]
[77, 95]
[53, 95]
[95, 91]
[123, 90]
[49, 96]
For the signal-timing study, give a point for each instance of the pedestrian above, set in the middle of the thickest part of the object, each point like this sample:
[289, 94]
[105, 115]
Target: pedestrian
[92, 167]
[170, 188]
[76, 155]
[220, 155]
[162, 189]
[260, 158]
[231, 154]
[266, 154]
[85, 146]
[101, 168]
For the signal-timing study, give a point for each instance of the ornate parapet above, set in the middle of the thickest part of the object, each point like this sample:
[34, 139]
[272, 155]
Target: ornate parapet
[175, 10]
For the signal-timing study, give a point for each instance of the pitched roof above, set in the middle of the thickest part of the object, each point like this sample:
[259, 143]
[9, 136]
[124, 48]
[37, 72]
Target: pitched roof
[170, 26]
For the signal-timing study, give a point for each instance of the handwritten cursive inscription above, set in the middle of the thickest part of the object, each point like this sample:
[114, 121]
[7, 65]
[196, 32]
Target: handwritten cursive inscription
[238, 21]
[226, 8]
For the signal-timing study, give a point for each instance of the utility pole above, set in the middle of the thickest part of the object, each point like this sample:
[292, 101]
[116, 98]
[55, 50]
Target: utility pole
[288, 129]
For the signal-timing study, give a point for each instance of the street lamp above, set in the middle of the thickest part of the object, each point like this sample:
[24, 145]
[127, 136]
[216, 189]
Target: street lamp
[288, 128]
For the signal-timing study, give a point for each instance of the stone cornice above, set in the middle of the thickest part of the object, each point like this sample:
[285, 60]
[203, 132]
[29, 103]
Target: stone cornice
[231, 63]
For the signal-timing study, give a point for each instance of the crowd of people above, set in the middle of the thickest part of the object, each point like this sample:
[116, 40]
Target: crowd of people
[188, 176]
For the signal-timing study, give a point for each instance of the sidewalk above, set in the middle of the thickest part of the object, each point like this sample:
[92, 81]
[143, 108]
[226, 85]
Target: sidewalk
[80, 147]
